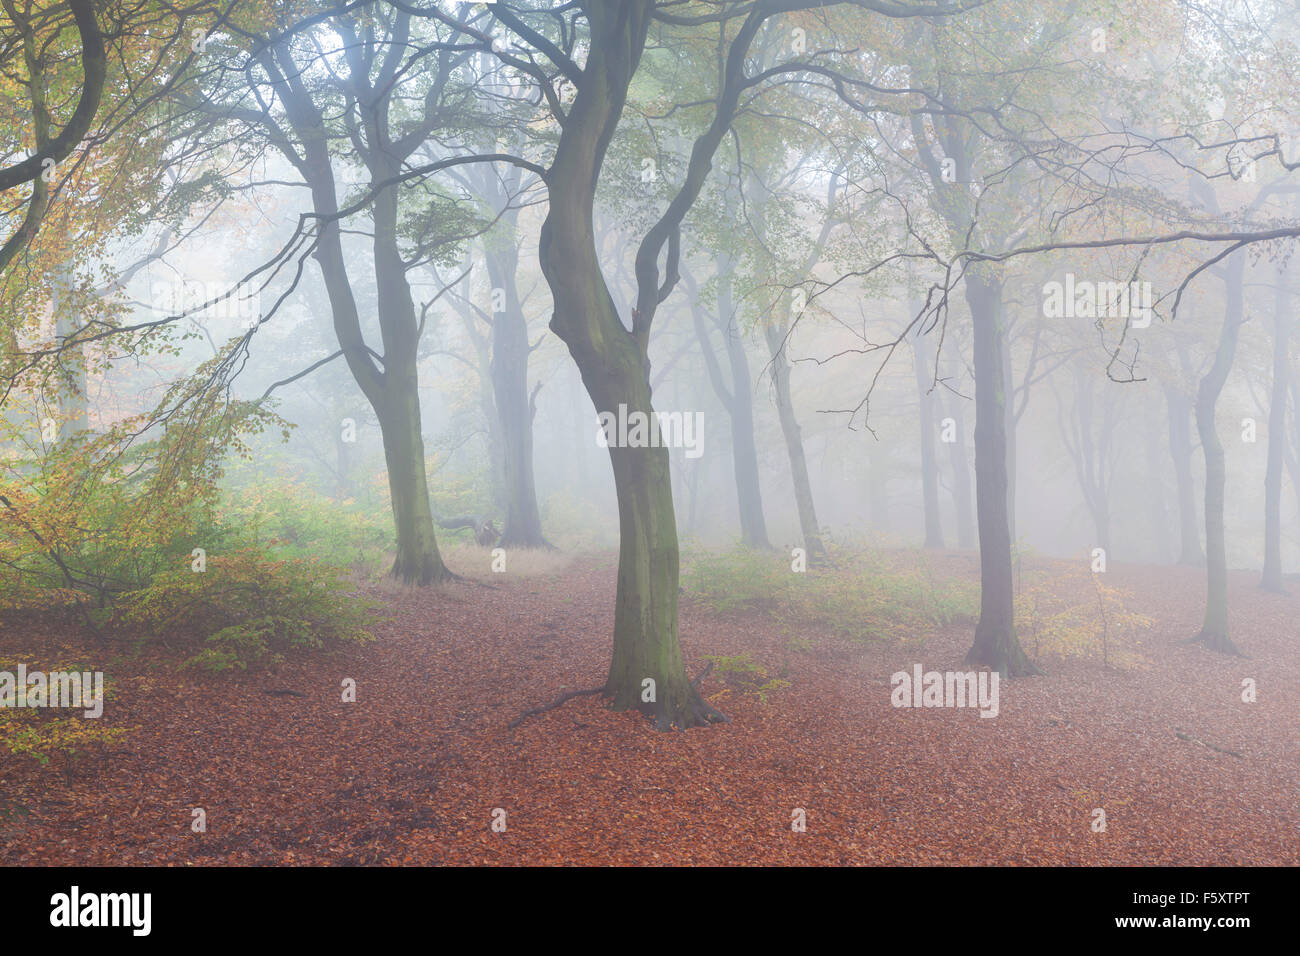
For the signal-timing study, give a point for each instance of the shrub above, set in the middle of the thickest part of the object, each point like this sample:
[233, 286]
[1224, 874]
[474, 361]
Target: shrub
[39, 734]
[864, 596]
[747, 675]
[289, 520]
[30, 733]
[1066, 611]
[246, 609]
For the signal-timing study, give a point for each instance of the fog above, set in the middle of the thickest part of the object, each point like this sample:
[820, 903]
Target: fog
[577, 372]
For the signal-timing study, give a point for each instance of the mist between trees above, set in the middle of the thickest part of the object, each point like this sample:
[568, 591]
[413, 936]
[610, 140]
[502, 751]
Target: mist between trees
[338, 280]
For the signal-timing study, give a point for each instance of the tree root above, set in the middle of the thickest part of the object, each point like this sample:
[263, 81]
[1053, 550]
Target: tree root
[422, 578]
[700, 712]
[562, 699]
[1007, 665]
[697, 713]
[703, 674]
[1219, 643]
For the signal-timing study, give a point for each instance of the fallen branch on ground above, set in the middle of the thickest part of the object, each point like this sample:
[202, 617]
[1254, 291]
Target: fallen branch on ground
[1183, 735]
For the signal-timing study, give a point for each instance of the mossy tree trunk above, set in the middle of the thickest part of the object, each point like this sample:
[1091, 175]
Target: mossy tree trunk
[646, 672]
[418, 561]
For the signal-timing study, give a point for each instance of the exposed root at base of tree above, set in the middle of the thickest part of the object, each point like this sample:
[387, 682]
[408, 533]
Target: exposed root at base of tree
[700, 709]
[423, 579]
[708, 669]
[1219, 643]
[697, 713]
[1018, 665]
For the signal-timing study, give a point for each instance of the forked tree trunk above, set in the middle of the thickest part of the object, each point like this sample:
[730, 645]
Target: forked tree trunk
[1214, 630]
[646, 671]
[393, 390]
[394, 395]
[996, 645]
[418, 560]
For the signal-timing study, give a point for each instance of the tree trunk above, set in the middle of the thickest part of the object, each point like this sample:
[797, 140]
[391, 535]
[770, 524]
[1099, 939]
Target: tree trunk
[1157, 509]
[775, 334]
[1214, 630]
[482, 345]
[924, 372]
[1293, 451]
[744, 448]
[615, 371]
[1277, 439]
[418, 561]
[1180, 450]
[1009, 390]
[393, 390]
[514, 408]
[996, 645]
[739, 404]
[646, 645]
[961, 491]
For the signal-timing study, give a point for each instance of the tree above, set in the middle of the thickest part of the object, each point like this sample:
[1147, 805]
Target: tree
[735, 391]
[995, 644]
[612, 358]
[309, 107]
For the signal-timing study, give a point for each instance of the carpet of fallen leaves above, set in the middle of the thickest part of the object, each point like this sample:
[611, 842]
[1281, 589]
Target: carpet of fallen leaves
[412, 772]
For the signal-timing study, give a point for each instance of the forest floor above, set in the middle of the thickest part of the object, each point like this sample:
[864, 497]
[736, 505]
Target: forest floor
[1186, 772]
